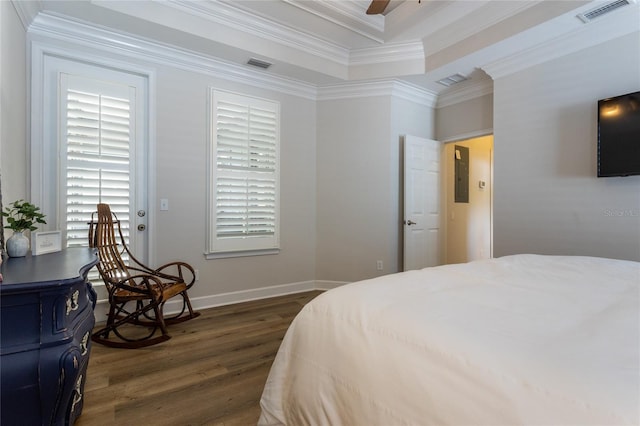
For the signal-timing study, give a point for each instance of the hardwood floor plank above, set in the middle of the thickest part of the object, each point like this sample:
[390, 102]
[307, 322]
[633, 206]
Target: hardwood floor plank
[211, 372]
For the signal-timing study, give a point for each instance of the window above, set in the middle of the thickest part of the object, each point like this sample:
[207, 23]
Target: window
[96, 135]
[244, 176]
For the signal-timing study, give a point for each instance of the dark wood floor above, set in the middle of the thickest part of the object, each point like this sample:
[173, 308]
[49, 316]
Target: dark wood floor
[211, 372]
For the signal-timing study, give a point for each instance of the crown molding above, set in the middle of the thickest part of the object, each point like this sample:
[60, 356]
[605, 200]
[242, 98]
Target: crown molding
[90, 36]
[394, 88]
[355, 90]
[390, 52]
[353, 11]
[78, 33]
[27, 11]
[465, 91]
[369, 26]
[587, 35]
[413, 93]
[232, 16]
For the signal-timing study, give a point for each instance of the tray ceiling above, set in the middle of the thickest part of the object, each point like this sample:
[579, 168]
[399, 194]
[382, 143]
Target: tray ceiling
[325, 42]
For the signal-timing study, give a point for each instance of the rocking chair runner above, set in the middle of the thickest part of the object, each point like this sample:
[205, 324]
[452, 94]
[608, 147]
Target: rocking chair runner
[136, 284]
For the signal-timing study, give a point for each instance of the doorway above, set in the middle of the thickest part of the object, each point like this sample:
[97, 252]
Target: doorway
[468, 225]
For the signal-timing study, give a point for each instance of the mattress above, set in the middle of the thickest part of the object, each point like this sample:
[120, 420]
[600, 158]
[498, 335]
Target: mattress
[523, 339]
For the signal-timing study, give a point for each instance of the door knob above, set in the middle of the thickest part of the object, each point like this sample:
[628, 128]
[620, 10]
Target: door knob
[410, 222]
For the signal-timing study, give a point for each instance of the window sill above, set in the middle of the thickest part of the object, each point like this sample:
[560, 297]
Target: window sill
[240, 253]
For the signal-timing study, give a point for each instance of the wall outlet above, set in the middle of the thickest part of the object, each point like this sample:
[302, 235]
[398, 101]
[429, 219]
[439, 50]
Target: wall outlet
[379, 265]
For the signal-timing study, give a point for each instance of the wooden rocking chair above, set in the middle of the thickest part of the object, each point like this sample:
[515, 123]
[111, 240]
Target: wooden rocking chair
[137, 293]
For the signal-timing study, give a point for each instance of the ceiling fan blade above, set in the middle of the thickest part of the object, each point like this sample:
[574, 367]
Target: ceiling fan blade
[377, 7]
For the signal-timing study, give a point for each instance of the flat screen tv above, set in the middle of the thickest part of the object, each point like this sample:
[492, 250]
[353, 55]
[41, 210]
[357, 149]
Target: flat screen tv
[619, 135]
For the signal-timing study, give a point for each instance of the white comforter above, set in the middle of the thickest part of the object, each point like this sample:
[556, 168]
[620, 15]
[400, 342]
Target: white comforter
[523, 339]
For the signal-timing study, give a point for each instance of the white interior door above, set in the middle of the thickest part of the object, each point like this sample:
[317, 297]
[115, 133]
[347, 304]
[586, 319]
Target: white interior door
[421, 202]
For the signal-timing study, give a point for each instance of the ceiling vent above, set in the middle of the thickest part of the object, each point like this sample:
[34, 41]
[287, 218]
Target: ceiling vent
[452, 79]
[592, 14]
[258, 63]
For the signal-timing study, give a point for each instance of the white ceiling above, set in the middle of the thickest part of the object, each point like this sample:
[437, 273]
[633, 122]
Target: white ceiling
[325, 42]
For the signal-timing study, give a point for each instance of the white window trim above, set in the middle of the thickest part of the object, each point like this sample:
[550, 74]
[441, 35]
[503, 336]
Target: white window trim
[243, 246]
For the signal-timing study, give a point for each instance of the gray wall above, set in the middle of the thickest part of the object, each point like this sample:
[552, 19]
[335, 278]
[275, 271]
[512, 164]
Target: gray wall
[461, 120]
[180, 149]
[181, 176]
[547, 198]
[353, 187]
[13, 106]
[358, 198]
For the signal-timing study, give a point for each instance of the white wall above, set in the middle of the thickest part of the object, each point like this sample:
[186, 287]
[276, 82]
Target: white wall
[13, 106]
[547, 198]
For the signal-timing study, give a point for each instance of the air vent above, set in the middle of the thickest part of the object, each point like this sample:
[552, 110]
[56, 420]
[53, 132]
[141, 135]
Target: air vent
[258, 63]
[452, 79]
[592, 14]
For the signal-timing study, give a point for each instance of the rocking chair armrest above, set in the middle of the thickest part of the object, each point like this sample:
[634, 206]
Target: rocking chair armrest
[143, 282]
[183, 272]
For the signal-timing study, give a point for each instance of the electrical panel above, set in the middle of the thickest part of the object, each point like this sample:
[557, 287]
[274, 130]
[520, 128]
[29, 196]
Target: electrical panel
[461, 178]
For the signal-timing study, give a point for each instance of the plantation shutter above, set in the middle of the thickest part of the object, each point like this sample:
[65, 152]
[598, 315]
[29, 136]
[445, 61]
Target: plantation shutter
[97, 132]
[245, 174]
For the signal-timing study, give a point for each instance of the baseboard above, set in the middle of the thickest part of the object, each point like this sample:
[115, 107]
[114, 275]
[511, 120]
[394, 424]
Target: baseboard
[328, 285]
[222, 299]
[211, 301]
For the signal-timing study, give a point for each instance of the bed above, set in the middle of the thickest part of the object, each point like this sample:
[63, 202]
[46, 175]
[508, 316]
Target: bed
[522, 339]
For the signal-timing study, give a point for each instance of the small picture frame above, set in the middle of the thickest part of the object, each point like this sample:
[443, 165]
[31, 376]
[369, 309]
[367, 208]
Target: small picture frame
[46, 242]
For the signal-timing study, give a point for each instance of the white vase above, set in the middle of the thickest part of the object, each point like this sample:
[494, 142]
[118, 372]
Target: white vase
[17, 245]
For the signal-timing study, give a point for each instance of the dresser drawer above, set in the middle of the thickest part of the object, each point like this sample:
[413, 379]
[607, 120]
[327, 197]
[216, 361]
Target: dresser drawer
[76, 371]
[62, 311]
[74, 408]
[19, 323]
[70, 375]
[70, 305]
[19, 383]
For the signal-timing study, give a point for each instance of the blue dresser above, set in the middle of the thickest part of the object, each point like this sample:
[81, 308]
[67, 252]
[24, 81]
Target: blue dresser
[46, 319]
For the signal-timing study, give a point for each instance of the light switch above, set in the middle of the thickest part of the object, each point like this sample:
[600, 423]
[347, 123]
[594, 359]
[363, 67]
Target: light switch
[164, 204]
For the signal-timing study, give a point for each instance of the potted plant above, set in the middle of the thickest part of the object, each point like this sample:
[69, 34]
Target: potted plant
[21, 216]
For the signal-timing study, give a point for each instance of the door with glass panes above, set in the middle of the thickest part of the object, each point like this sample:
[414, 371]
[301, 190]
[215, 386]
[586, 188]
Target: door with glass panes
[102, 156]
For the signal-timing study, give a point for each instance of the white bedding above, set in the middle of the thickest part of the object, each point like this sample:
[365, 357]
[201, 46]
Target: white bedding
[524, 339]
